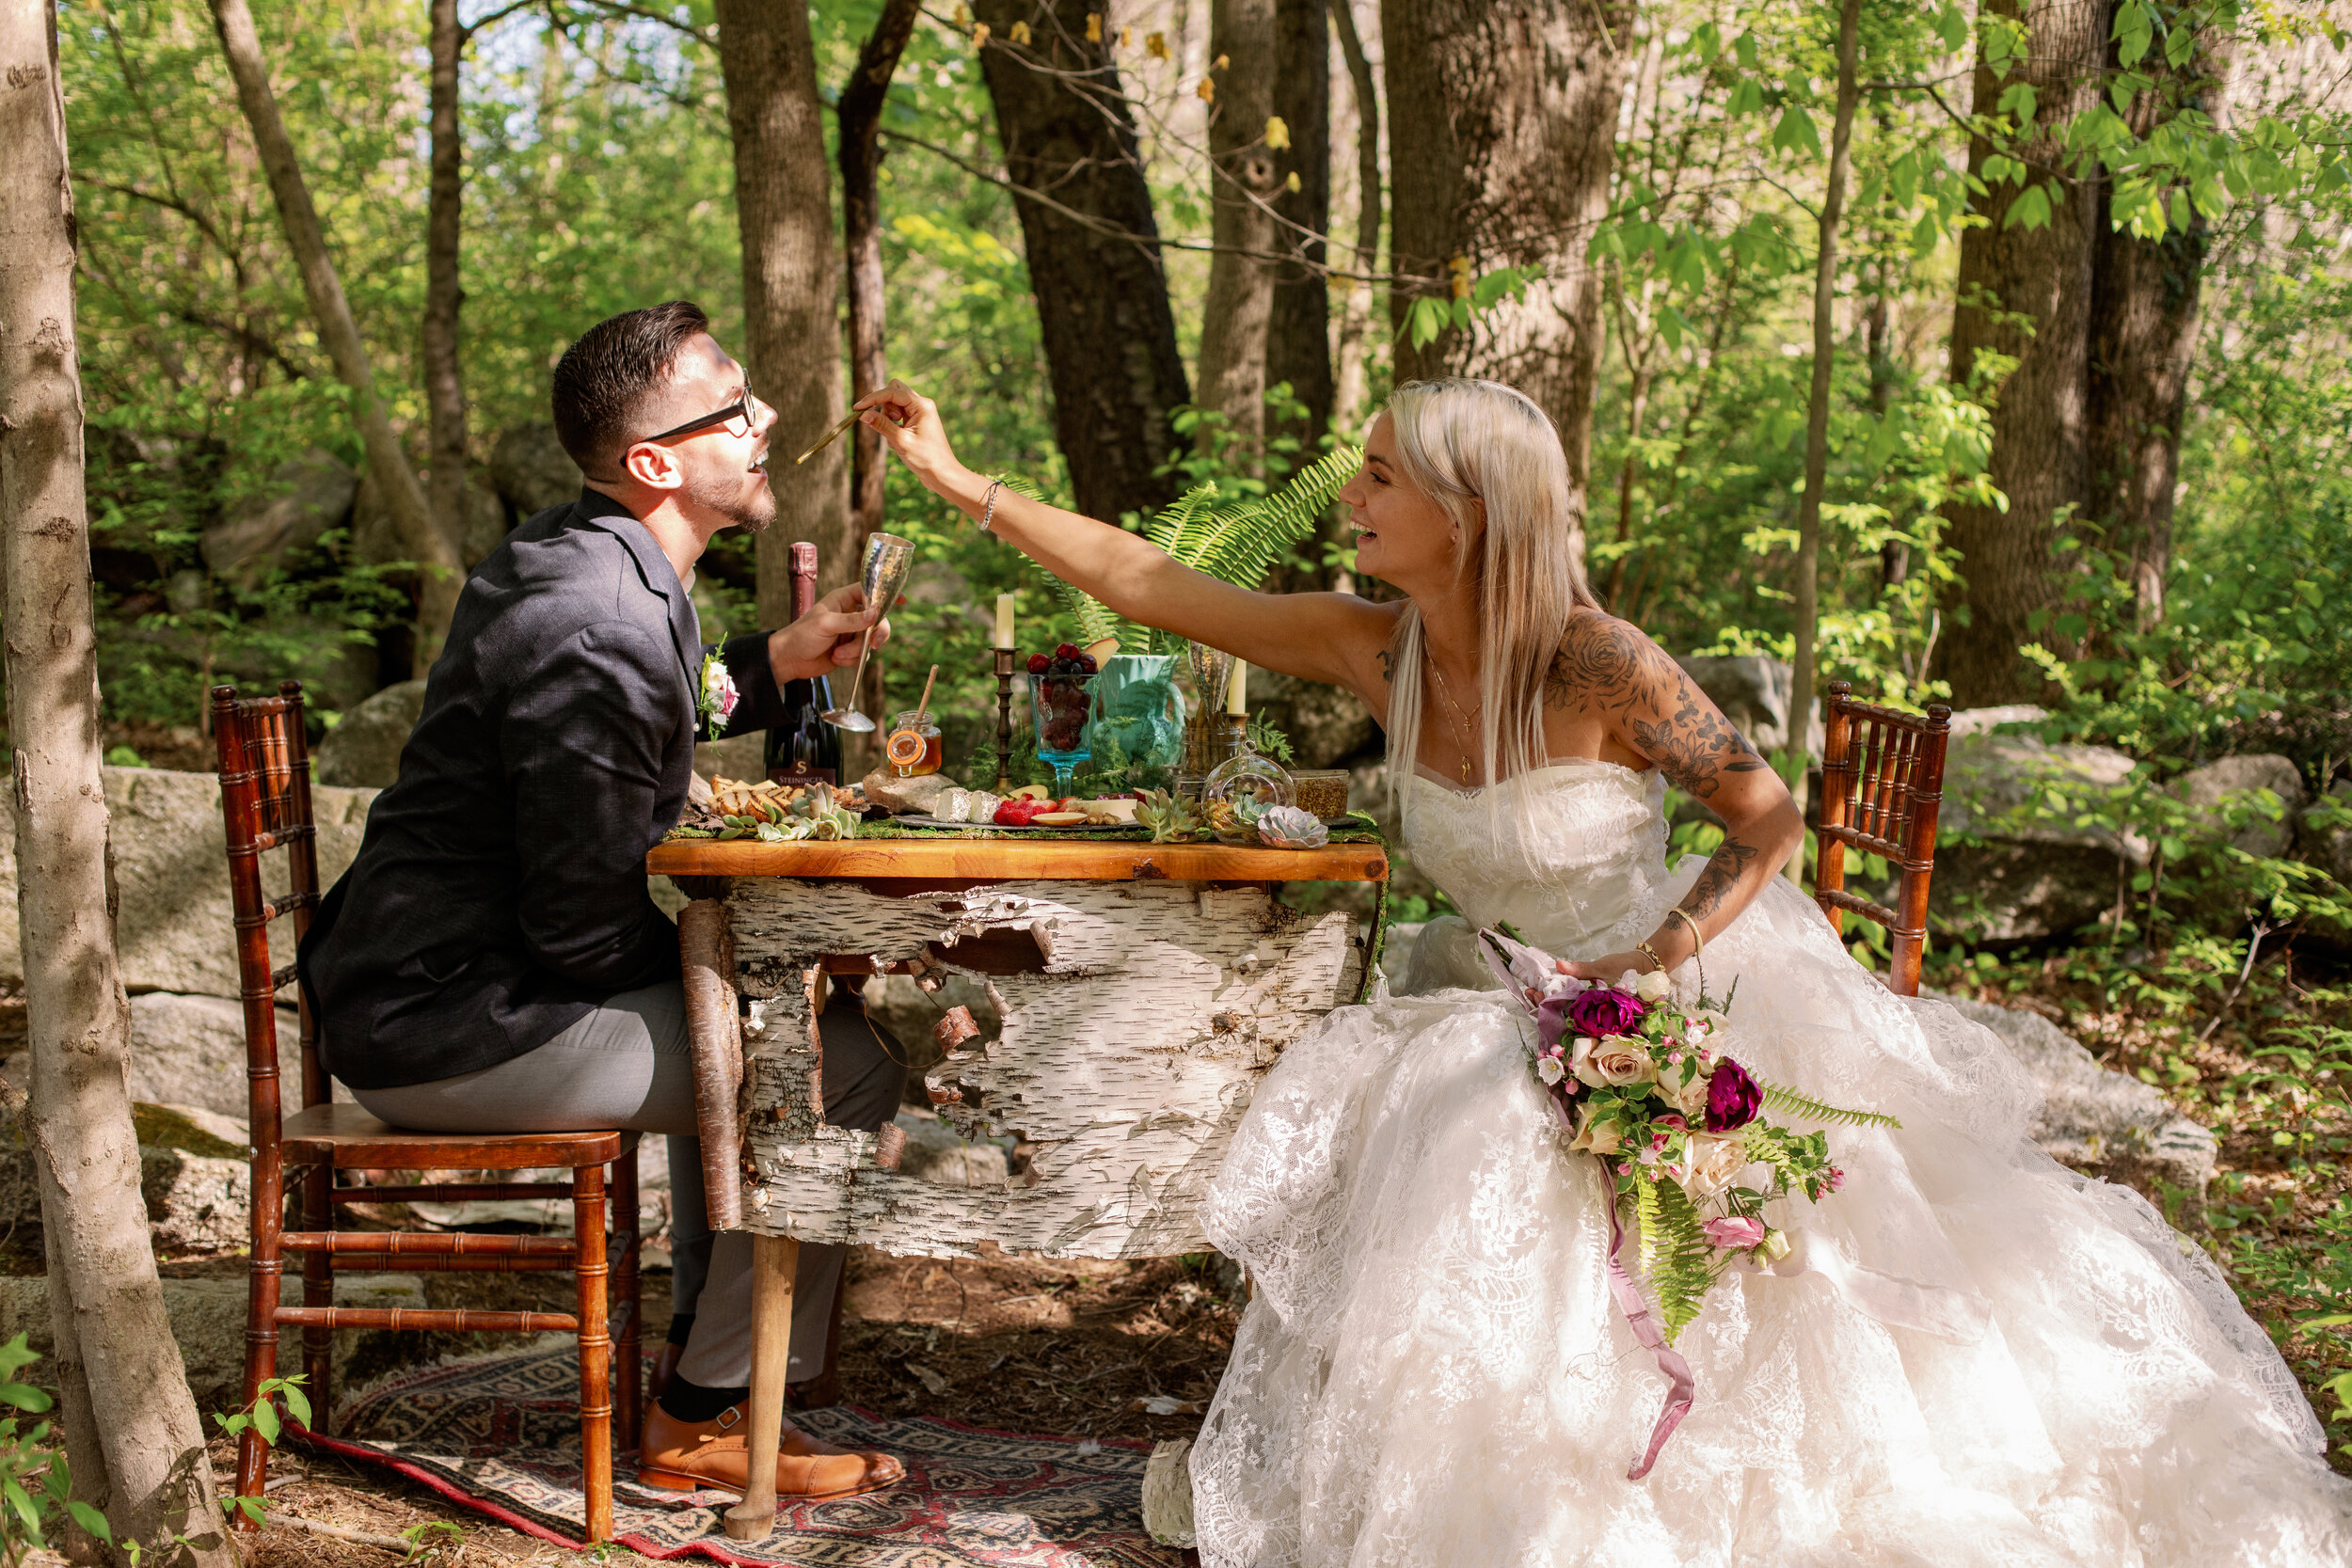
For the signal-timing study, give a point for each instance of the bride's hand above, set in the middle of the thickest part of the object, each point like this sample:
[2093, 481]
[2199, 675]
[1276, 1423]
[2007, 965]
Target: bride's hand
[910, 422]
[1607, 969]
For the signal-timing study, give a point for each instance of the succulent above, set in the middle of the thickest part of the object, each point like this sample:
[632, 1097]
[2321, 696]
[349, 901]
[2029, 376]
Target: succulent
[1170, 815]
[1292, 828]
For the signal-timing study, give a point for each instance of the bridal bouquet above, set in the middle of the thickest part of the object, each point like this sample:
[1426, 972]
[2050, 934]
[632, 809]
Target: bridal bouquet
[1642, 1084]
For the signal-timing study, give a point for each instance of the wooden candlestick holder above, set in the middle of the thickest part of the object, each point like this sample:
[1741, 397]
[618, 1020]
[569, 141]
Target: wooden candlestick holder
[1005, 659]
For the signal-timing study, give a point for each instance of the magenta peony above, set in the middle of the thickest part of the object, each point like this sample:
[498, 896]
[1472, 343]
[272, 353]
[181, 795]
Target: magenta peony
[1604, 1010]
[1732, 1098]
[1734, 1233]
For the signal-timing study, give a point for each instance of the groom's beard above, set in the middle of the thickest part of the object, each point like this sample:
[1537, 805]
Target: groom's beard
[752, 513]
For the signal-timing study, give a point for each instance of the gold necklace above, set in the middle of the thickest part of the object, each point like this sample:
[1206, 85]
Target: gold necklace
[1461, 719]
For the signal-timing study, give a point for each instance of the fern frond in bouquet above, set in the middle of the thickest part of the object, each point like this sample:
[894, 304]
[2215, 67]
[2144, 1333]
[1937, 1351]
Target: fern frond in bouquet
[1795, 1102]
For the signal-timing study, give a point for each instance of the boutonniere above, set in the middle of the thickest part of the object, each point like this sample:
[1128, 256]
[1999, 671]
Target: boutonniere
[717, 697]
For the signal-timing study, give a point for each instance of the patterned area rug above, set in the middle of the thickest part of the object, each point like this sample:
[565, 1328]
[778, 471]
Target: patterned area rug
[500, 1433]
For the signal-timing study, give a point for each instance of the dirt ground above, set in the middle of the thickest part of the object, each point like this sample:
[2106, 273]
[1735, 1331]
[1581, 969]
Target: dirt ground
[1088, 1349]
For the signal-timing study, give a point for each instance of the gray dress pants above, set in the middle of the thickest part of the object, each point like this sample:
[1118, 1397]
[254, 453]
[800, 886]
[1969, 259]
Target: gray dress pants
[625, 1065]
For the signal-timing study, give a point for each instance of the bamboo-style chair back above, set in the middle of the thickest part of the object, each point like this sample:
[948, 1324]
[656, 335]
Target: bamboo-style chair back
[1881, 789]
[265, 805]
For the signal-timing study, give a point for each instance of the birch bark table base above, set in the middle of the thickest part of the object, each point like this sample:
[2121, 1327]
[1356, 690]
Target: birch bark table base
[1144, 989]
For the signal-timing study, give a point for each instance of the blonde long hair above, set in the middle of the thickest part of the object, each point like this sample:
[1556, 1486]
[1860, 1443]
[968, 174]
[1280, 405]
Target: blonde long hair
[1463, 441]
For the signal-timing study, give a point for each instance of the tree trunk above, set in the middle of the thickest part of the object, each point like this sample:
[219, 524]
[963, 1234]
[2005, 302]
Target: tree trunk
[2024, 293]
[1806, 675]
[1298, 331]
[436, 558]
[784, 201]
[1093, 254]
[1298, 336]
[2143, 344]
[1245, 175]
[444, 379]
[859, 113]
[129, 1425]
[1348, 396]
[1503, 116]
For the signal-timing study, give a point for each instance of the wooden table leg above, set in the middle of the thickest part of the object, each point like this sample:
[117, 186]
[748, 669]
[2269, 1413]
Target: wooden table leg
[774, 1260]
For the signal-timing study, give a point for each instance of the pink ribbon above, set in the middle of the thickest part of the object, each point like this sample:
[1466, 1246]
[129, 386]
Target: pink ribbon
[1637, 1315]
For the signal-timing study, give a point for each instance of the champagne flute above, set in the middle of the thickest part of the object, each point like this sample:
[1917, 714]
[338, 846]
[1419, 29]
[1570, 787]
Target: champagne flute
[888, 558]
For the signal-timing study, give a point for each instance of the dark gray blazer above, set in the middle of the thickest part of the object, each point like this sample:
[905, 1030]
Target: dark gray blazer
[500, 893]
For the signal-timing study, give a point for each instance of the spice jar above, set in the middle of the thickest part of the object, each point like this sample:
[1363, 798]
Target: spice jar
[914, 746]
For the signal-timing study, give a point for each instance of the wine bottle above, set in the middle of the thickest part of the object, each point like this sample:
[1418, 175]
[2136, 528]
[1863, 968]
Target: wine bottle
[805, 749]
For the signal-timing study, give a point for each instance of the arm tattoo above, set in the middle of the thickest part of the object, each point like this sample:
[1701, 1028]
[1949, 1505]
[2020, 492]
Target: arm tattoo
[1720, 874]
[1609, 665]
[1388, 662]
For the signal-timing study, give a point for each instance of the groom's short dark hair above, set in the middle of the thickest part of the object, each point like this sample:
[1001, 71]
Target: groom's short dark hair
[611, 372]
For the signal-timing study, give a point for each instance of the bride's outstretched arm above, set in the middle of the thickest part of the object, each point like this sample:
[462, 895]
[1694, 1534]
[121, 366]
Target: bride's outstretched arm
[1324, 637]
[1608, 668]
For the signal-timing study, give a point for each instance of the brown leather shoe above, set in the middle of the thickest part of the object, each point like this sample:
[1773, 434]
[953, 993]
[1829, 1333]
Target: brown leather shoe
[687, 1456]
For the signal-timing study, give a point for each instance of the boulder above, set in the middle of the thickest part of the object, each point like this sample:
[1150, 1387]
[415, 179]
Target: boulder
[2008, 867]
[362, 751]
[742, 756]
[2250, 800]
[189, 1051]
[307, 496]
[2097, 1120]
[171, 873]
[207, 1320]
[375, 538]
[192, 1174]
[1328, 725]
[1752, 692]
[935, 1151]
[530, 470]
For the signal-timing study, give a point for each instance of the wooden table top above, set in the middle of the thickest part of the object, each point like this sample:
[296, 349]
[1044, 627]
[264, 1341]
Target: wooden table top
[1017, 860]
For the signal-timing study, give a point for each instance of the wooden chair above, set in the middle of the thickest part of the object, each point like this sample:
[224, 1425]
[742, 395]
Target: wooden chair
[1882, 788]
[265, 801]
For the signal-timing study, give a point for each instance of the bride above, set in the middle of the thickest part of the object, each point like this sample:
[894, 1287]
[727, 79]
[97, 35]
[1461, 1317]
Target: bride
[1991, 1361]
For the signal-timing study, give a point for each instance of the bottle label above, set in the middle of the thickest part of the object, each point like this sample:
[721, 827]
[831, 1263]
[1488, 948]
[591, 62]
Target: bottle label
[800, 773]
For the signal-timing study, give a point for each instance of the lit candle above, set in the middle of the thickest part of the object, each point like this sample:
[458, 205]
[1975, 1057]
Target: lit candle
[1237, 691]
[1004, 621]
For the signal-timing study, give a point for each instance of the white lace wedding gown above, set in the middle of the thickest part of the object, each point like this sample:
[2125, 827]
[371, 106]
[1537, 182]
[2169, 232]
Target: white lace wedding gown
[2000, 1363]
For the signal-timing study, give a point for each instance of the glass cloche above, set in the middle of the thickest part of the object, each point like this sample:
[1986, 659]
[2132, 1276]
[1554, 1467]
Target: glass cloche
[1241, 789]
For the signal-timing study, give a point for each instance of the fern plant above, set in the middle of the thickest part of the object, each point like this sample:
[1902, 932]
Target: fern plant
[1789, 1102]
[1678, 1259]
[1236, 544]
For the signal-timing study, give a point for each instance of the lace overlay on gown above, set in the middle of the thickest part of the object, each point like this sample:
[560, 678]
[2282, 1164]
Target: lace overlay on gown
[1432, 1370]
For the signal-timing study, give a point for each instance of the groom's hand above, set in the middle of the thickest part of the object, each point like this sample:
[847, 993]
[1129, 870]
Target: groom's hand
[825, 639]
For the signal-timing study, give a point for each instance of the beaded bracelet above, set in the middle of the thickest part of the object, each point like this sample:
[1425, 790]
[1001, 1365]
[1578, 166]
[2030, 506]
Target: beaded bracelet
[989, 510]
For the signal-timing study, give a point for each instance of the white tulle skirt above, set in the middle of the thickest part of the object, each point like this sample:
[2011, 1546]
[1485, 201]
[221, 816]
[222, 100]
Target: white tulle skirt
[2007, 1363]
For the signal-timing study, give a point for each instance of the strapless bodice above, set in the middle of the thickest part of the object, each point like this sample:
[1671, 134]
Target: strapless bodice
[1578, 844]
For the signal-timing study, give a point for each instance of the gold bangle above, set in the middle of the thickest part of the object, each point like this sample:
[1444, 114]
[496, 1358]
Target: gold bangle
[1698, 941]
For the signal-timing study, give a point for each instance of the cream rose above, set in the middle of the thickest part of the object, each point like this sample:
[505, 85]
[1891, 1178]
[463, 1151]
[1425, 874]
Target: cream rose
[1653, 987]
[1713, 1162]
[1612, 1061]
[1691, 1098]
[1596, 1139]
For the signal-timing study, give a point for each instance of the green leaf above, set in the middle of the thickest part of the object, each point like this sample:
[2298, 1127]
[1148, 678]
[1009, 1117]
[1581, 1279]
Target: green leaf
[2030, 210]
[91, 1520]
[25, 1397]
[2018, 101]
[265, 1421]
[1951, 25]
[1425, 320]
[1795, 131]
[298, 1403]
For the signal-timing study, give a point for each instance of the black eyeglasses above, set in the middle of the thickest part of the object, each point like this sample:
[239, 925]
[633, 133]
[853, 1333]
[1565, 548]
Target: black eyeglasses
[736, 416]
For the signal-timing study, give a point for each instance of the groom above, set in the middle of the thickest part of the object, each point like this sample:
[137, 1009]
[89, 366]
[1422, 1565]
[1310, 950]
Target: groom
[492, 961]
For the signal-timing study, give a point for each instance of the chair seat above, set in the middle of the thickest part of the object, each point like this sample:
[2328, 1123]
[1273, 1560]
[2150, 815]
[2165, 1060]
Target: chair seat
[348, 1137]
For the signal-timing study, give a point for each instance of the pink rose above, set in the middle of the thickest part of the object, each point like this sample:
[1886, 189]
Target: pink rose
[1735, 1235]
[728, 697]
